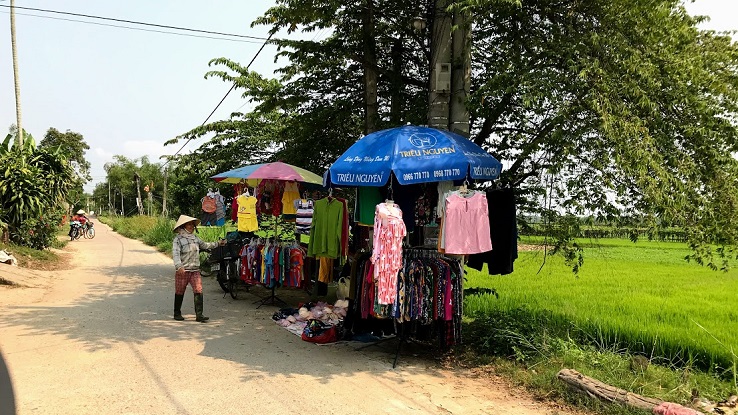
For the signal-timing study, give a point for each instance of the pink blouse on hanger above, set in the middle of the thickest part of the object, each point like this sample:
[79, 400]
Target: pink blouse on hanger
[466, 224]
[389, 230]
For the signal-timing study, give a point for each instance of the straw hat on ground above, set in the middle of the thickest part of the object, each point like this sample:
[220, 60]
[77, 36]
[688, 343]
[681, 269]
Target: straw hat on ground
[184, 219]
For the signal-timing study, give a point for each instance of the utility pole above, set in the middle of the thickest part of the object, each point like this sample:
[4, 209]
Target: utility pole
[110, 204]
[122, 209]
[450, 69]
[164, 211]
[460, 74]
[19, 134]
[139, 201]
[439, 90]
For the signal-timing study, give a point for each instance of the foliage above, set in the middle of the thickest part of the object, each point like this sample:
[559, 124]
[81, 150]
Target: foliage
[73, 146]
[120, 184]
[34, 184]
[637, 297]
[38, 233]
[155, 231]
[609, 109]
[602, 108]
[32, 258]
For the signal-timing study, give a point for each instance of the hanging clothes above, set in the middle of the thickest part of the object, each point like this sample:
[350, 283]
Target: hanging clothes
[326, 228]
[367, 199]
[389, 230]
[289, 196]
[503, 231]
[466, 224]
[219, 209]
[304, 213]
[269, 194]
[247, 220]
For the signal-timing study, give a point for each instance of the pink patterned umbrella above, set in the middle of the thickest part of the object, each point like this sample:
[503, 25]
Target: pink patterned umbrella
[254, 173]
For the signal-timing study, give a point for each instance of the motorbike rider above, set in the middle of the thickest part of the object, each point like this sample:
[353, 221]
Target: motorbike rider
[79, 220]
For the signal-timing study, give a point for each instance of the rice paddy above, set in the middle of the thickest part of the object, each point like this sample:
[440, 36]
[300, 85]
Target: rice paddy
[641, 297]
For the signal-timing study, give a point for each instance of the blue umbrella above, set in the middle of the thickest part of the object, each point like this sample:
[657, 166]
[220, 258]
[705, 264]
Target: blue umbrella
[415, 155]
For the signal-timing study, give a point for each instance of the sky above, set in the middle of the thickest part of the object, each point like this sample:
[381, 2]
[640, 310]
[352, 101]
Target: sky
[129, 91]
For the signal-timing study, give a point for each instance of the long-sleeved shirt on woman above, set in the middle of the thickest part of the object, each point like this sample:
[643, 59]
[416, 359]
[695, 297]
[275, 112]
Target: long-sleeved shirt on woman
[186, 250]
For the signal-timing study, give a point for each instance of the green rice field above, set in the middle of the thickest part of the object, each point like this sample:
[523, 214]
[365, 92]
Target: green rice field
[641, 297]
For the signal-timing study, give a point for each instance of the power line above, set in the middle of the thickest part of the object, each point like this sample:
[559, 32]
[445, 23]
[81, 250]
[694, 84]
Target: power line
[133, 28]
[136, 22]
[223, 99]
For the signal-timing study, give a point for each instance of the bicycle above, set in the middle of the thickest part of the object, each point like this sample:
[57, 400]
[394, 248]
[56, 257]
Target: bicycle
[79, 230]
[227, 258]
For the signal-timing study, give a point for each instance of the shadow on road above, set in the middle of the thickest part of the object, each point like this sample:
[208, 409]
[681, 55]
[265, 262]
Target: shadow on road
[132, 304]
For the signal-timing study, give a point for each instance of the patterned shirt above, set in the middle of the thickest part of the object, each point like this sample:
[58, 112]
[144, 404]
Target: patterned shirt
[186, 250]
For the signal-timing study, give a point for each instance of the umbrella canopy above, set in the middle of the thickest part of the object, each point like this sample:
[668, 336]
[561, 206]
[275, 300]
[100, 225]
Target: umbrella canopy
[253, 173]
[415, 155]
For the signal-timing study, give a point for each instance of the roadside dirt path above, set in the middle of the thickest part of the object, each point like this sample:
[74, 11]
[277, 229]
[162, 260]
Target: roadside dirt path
[99, 338]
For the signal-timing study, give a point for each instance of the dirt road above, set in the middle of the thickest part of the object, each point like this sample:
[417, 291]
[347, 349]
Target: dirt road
[99, 339]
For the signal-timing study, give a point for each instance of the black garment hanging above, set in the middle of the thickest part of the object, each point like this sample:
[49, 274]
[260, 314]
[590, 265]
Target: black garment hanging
[503, 231]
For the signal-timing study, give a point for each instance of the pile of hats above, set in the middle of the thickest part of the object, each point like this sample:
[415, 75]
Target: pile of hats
[330, 314]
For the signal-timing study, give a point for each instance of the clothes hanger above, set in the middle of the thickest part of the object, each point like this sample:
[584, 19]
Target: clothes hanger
[390, 194]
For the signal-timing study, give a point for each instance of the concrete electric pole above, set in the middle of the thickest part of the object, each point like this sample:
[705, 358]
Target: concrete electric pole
[13, 45]
[450, 69]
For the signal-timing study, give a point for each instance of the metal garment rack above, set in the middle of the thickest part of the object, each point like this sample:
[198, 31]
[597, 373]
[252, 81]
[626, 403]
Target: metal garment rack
[270, 299]
[401, 335]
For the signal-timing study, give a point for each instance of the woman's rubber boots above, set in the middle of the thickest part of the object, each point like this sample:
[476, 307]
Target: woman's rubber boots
[178, 298]
[198, 309]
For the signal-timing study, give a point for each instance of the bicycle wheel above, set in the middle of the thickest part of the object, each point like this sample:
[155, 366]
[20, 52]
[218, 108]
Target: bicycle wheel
[75, 233]
[222, 281]
[90, 233]
[232, 279]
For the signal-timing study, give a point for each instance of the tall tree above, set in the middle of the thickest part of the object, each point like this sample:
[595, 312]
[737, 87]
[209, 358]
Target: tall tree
[73, 146]
[605, 108]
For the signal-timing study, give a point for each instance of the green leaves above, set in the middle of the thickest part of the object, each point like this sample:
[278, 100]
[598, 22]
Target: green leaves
[33, 184]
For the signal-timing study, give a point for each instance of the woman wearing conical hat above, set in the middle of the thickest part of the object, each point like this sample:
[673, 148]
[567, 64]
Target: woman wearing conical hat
[186, 254]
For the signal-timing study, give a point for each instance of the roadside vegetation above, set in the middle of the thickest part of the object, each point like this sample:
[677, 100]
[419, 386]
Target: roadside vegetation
[636, 316]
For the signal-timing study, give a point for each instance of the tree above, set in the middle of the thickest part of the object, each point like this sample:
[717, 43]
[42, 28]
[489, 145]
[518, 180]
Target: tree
[620, 108]
[73, 146]
[610, 109]
[120, 180]
[34, 183]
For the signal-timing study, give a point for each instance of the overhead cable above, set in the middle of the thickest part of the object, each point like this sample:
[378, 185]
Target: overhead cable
[136, 22]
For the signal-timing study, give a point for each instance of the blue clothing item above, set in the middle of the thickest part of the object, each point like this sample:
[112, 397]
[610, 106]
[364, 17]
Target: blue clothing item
[220, 222]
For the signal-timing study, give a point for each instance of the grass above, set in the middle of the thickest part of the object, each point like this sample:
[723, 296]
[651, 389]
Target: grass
[628, 299]
[29, 257]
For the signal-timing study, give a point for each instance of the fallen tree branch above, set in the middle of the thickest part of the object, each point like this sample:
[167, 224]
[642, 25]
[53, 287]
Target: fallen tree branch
[605, 392]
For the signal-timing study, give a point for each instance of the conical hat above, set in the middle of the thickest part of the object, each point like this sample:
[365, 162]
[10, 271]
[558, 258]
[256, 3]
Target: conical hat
[185, 219]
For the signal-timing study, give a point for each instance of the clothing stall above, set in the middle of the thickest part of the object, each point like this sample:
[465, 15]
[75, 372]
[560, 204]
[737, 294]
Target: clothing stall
[266, 204]
[414, 203]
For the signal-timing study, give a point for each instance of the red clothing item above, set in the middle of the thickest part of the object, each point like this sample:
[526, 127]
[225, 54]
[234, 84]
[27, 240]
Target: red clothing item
[344, 228]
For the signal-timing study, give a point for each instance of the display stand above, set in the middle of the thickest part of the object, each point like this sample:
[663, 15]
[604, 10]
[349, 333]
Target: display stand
[270, 300]
[400, 339]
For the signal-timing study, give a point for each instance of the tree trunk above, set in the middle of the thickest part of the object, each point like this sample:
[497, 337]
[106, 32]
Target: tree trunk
[19, 134]
[602, 391]
[370, 70]
[396, 79]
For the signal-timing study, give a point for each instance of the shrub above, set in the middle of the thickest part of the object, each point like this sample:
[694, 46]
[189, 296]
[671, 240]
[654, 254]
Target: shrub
[37, 233]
